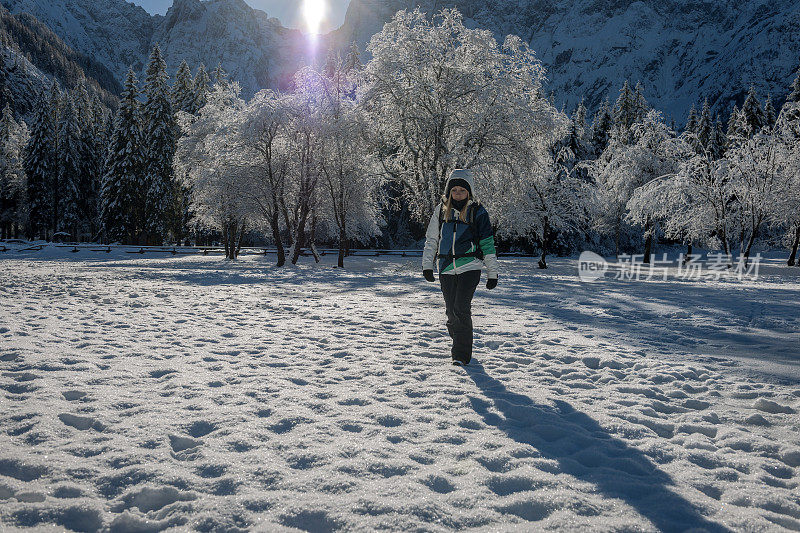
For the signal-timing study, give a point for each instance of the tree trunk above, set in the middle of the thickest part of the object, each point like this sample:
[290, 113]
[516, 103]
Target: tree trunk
[276, 236]
[648, 248]
[688, 254]
[313, 238]
[299, 234]
[342, 247]
[545, 239]
[792, 257]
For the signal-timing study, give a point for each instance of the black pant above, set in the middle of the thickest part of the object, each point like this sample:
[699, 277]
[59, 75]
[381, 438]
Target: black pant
[458, 290]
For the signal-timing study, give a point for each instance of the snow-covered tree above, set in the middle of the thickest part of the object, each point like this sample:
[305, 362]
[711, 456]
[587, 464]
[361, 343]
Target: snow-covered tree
[41, 170]
[535, 191]
[632, 159]
[202, 85]
[794, 94]
[601, 128]
[759, 182]
[302, 193]
[787, 129]
[209, 156]
[70, 169]
[159, 138]
[440, 97]
[122, 190]
[349, 176]
[13, 138]
[770, 115]
[751, 116]
[183, 93]
[264, 136]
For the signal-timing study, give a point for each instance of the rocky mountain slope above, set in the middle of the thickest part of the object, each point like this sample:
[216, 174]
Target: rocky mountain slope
[681, 50]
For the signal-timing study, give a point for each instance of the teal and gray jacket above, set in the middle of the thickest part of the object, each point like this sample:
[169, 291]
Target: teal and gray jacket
[455, 237]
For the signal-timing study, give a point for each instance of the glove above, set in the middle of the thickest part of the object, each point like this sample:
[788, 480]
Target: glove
[491, 283]
[428, 275]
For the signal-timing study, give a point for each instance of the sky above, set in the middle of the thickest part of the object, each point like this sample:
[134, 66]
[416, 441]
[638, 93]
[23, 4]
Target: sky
[289, 12]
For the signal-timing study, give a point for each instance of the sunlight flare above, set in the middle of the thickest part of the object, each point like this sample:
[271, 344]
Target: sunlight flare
[314, 12]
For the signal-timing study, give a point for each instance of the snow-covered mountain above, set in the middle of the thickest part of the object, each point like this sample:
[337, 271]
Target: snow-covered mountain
[681, 50]
[254, 48]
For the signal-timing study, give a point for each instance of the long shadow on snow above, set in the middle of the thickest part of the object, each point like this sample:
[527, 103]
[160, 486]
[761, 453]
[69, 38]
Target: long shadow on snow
[587, 452]
[636, 314]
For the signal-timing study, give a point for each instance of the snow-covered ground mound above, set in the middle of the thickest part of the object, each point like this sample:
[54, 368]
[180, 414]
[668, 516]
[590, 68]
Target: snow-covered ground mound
[147, 393]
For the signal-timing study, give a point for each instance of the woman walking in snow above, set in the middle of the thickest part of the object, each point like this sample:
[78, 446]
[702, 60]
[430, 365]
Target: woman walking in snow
[460, 235]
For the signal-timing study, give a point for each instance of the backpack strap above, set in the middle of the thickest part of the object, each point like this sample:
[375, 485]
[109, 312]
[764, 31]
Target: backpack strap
[476, 243]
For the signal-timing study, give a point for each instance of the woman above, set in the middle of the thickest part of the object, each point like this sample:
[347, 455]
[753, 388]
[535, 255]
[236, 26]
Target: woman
[460, 235]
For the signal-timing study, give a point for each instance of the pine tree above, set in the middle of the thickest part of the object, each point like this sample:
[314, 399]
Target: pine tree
[183, 97]
[752, 114]
[691, 121]
[601, 127]
[220, 77]
[624, 109]
[716, 145]
[70, 169]
[733, 125]
[579, 119]
[160, 137]
[11, 173]
[769, 112]
[353, 61]
[640, 105]
[794, 95]
[122, 194]
[40, 168]
[201, 88]
[5, 89]
[704, 128]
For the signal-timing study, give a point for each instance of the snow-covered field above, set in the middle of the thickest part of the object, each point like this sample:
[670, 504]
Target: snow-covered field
[146, 393]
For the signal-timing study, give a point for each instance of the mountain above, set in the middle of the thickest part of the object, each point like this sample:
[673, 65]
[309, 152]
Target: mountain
[681, 50]
[31, 56]
[254, 48]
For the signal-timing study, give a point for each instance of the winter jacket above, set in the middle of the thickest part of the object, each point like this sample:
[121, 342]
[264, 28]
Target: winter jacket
[455, 237]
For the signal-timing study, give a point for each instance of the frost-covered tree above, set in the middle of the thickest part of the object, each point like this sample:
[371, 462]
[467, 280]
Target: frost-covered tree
[123, 195]
[787, 129]
[759, 181]
[441, 96]
[534, 190]
[632, 159]
[158, 141]
[264, 135]
[70, 169]
[691, 121]
[302, 193]
[694, 204]
[209, 156]
[202, 86]
[794, 93]
[348, 174]
[183, 94]
[41, 169]
[751, 116]
[601, 128]
[13, 138]
[770, 115]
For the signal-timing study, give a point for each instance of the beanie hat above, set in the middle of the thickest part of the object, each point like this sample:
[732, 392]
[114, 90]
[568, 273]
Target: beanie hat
[459, 178]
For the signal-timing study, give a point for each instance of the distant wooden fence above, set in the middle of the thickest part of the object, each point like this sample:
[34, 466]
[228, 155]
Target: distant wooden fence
[207, 250]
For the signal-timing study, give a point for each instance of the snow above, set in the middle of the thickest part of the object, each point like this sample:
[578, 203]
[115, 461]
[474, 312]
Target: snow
[144, 393]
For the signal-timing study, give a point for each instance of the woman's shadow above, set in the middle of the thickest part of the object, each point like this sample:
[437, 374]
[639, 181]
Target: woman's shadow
[587, 452]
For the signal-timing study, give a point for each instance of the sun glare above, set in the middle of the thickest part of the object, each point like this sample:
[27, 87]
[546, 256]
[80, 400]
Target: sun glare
[314, 12]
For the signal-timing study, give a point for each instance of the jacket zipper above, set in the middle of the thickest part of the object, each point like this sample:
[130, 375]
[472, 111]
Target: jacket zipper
[455, 226]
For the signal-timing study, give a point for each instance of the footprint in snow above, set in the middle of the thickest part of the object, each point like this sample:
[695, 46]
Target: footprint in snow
[72, 395]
